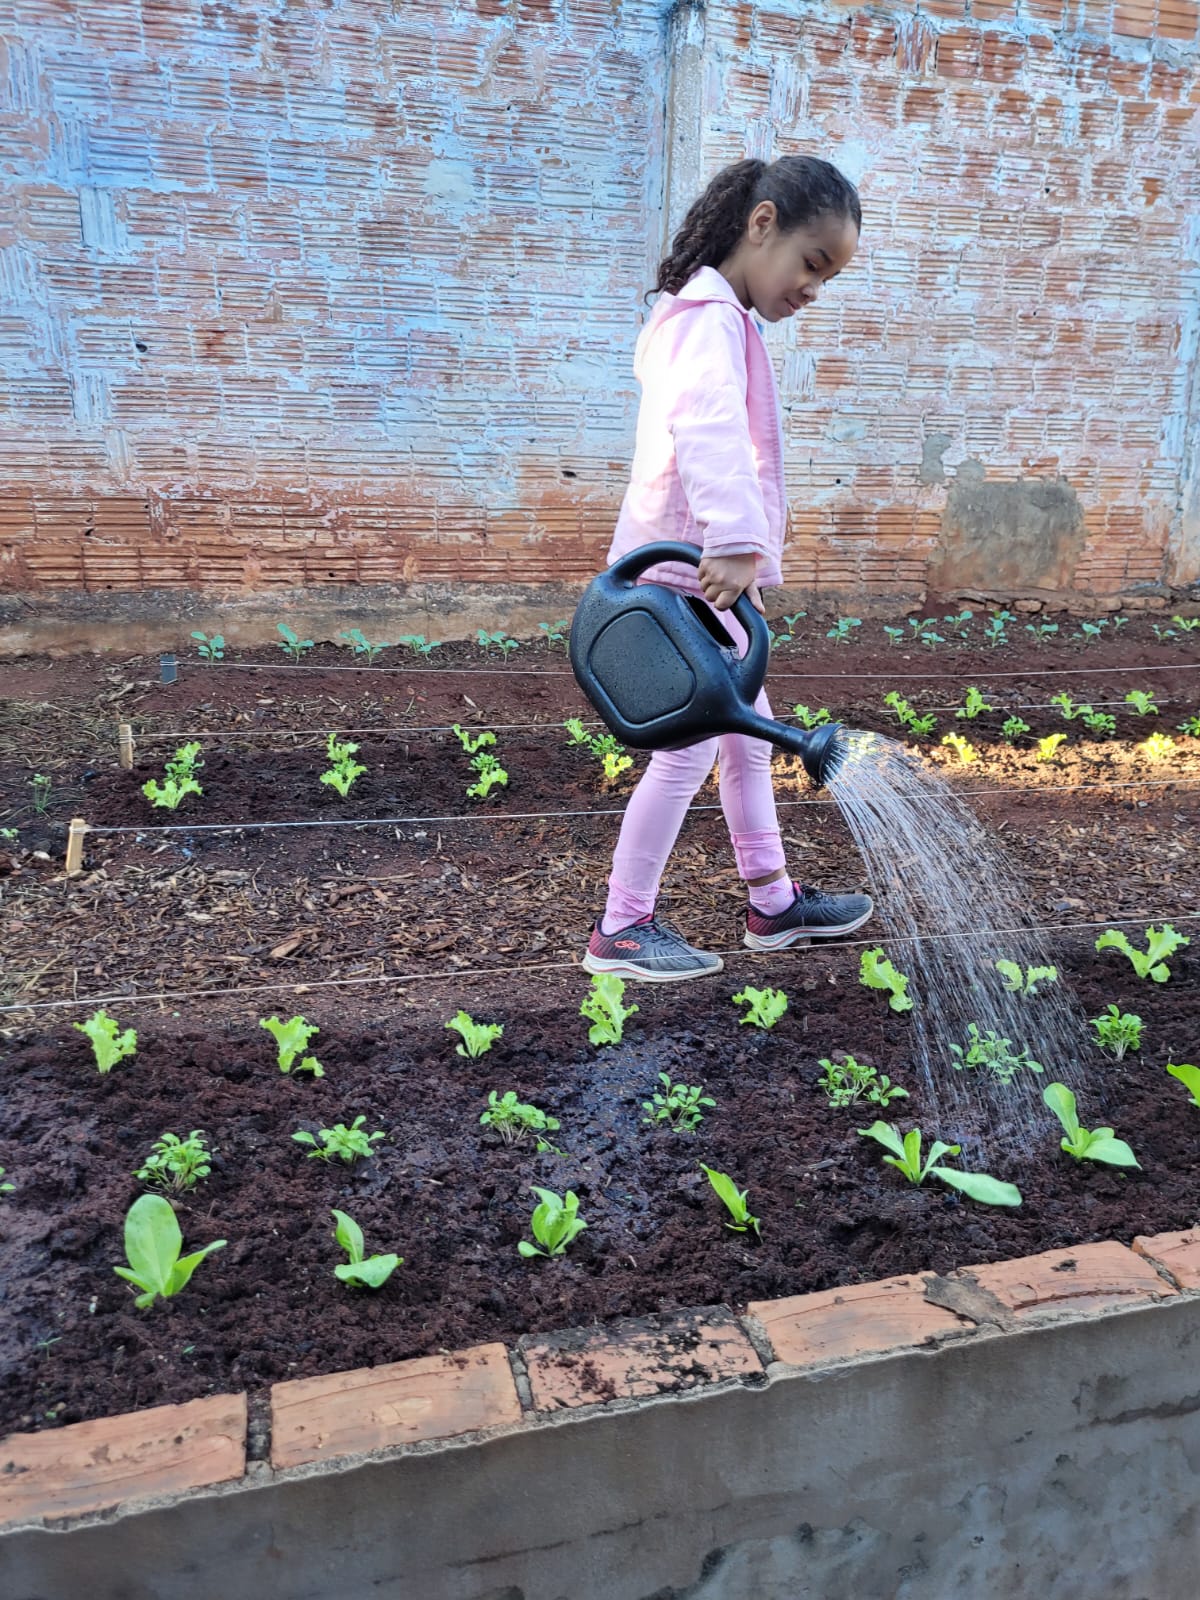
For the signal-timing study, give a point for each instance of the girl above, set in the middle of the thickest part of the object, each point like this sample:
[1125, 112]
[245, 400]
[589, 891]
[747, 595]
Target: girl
[708, 469]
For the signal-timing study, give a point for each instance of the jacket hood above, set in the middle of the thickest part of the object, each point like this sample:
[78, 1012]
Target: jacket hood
[705, 284]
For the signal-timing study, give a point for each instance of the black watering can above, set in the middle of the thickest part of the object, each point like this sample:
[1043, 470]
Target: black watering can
[663, 673]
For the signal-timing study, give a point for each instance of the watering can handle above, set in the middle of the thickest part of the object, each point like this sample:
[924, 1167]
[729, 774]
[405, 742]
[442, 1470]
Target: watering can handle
[752, 667]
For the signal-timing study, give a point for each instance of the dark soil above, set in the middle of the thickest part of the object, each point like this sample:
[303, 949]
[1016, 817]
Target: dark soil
[281, 914]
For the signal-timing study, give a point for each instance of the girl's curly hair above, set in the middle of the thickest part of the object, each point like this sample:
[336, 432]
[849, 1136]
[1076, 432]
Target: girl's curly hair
[802, 187]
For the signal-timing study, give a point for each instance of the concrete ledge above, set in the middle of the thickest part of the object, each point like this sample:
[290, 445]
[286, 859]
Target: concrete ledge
[954, 1429]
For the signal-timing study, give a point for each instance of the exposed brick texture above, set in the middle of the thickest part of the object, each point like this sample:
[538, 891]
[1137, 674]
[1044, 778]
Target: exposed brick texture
[341, 291]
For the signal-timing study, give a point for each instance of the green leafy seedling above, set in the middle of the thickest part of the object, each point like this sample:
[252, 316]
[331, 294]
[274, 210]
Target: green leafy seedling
[812, 719]
[179, 780]
[6, 1188]
[343, 769]
[41, 793]
[1100, 723]
[490, 774]
[766, 1006]
[1067, 706]
[291, 644]
[960, 623]
[1089, 632]
[1118, 1031]
[291, 1039]
[368, 1272]
[340, 1142]
[418, 643]
[847, 1081]
[1143, 703]
[986, 1048]
[1098, 1145]
[361, 645]
[1047, 748]
[842, 629]
[614, 764]
[733, 1199]
[513, 1121]
[925, 631]
[679, 1105]
[974, 704]
[176, 1164]
[894, 634]
[1186, 624]
[477, 1037]
[877, 972]
[210, 649]
[108, 1046]
[1189, 1077]
[1024, 980]
[996, 631]
[579, 734]
[1161, 945]
[1190, 726]
[1041, 631]
[604, 1007]
[499, 638]
[906, 1158]
[555, 1222]
[963, 748]
[152, 1245]
[553, 632]
[473, 742]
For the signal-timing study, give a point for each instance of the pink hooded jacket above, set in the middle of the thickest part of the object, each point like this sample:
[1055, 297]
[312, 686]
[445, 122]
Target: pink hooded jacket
[708, 463]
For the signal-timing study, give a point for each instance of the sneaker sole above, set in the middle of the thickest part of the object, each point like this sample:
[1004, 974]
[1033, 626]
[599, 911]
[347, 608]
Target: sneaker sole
[790, 936]
[626, 969]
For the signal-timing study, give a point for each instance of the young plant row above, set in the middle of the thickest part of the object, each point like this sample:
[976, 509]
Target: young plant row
[211, 647]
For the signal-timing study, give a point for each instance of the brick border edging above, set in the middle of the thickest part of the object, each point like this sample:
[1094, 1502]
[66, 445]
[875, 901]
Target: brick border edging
[98, 1466]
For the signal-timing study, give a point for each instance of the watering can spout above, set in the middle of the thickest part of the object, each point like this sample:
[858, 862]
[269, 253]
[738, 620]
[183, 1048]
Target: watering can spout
[822, 750]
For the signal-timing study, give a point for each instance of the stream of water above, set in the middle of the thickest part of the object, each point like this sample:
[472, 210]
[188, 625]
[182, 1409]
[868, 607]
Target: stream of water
[936, 872]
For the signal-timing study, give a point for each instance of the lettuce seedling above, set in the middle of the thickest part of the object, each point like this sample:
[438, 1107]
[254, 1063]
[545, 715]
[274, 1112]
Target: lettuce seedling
[1190, 726]
[176, 1164]
[1098, 1145]
[919, 727]
[734, 1200]
[1013, 728]
[1118, 1031]
[1189, 1077]
[210, 649]
[291, 1038]
[678, 1105]
[963, 748]
[369, 1272]
[615, 762]
[346, 1143]
[906, 1158]
[473, 742]
[1187, 624]
[361, 645]
[555, 1222]
[490, 773]
[810, 719]
[6, 1188]
[846, 1082]
[107, 1046]
[876, 972]
[343, 769]
[1068, 707]
[1047, 748]
[603, 1007]
[418, 643]
[291, 644]
[1099, 723]
[766, 1006]
[1151, 962]
[975, 703]
[1143, 703]
[179, 780]
[152, 1245]
[1024, 980]
[988, 1049]
[512, 1120]
[1158, 747]
[478, 1037]
[842, 628]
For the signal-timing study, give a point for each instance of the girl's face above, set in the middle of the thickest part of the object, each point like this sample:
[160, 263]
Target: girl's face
[778, 274]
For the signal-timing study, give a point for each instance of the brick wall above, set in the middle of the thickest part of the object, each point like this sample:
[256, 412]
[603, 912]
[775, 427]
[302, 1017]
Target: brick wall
[343, 291]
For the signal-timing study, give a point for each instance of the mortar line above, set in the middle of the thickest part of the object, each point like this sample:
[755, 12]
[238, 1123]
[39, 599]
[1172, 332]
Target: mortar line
[301, 985]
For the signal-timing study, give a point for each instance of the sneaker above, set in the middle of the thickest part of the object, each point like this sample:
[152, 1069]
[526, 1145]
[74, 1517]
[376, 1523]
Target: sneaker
[811, 915]
[648, 951]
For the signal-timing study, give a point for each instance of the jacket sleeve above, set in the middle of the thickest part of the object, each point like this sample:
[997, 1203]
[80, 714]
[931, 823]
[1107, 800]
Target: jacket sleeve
[708, 420]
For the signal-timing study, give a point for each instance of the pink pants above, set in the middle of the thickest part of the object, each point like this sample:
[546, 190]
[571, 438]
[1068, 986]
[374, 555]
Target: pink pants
[660, 802]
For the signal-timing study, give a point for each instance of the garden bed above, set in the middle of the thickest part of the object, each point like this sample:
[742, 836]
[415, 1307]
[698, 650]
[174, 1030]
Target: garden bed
[191, 911]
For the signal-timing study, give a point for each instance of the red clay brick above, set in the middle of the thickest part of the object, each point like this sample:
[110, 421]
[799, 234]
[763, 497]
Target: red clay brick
[1179, 1253]
[1086, 1278]
[862, 1319]
[649, 1355]
[94, 1466]
[375, 1408]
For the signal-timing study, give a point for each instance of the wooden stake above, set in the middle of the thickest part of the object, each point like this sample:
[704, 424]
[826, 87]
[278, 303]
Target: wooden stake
[75, 846]
[125, 745]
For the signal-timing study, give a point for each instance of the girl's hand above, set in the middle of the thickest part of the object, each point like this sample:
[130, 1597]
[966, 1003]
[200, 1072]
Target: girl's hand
[723, 578]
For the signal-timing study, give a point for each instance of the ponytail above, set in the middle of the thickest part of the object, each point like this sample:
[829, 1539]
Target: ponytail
[801, 187]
